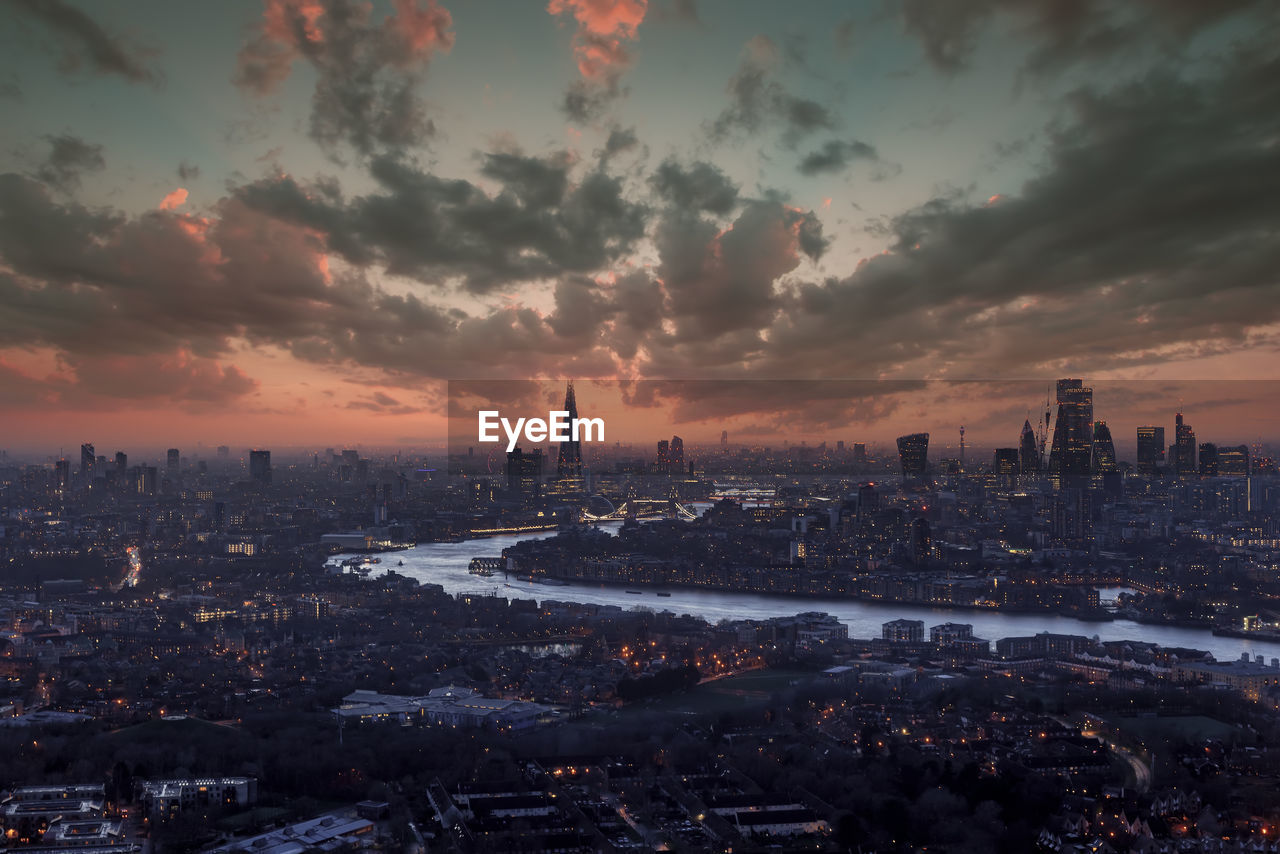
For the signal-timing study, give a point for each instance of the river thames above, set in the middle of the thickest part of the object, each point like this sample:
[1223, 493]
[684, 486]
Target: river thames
[446, 564]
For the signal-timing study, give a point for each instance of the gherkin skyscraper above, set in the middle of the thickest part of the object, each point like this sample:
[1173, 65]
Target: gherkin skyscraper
[1028, 452]
[1104, 449]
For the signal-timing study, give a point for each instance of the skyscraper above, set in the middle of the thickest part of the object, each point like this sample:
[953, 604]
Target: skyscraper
[663, 465]
[1208, 459]
[122, 465]
[1028, 452]
[913, 452]
[87, 459]
[1184, 448]
[1005, 465]
[145, 481]
[569, 461]
[1104, 449]
[1233, 460]
[260, 466]
[677, 455]
[172, 461]
[524, 473]
[1150, 450]
[1072, 448]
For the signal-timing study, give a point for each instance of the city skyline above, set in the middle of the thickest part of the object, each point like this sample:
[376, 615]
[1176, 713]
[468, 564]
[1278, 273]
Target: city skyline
[300, 227]
[581, 426]
[1121, 432]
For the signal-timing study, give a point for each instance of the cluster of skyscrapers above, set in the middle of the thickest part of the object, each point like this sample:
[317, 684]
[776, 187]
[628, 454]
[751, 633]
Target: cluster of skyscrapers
[1082, 453]
[116, 474]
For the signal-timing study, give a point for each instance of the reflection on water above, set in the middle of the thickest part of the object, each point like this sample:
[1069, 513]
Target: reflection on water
[446, 564]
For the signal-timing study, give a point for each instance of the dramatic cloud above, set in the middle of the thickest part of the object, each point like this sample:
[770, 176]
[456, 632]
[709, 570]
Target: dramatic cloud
[84, 44]
[836, 156]
[701, 187]
[1061, 34]
[367, 74]
[723, 281]
[757, 100]
[97, 286]
[539, 224]
[1150, 235]
[600, 44]
[69, 157]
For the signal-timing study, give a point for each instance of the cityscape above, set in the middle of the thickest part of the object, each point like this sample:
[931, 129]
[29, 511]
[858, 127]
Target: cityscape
[632, 648]
[639, 425]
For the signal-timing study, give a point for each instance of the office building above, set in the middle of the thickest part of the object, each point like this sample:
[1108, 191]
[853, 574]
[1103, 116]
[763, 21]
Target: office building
[524, 473]
[1184, 449]
[913, 453]
[145, 480]
[1072, 450]
[1150, 450]
[677, 455]
[1208, 463]
[1005, 465]
[260, 466]
[1233, 460]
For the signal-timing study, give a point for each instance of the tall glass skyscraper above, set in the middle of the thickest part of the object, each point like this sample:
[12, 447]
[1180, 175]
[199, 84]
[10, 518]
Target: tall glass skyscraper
[913, 452]
[1071, 454]
[1150, 450]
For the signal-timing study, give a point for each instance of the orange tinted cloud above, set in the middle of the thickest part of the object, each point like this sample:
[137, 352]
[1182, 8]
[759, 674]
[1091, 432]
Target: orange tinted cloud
[173, 200]
[421, 29]
[603, 28]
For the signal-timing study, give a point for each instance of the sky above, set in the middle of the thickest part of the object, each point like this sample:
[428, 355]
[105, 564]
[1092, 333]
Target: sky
[292, 222]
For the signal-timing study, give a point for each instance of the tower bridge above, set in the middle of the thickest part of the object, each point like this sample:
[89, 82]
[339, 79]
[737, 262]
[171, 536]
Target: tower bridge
[637, 508]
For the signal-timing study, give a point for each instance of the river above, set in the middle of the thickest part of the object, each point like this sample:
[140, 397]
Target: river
[446, 564]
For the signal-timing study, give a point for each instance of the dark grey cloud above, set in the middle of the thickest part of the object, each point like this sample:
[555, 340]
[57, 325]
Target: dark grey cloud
[757, 100]
[83, 44]
[836, 155]
[619, 141]
[432, 229]
[188, 171]
[367, 72]
[699, 187]
[69, 157]
[588, 101]
[1149, 235]
[108, 291]
[723, 281]
[1060, 34]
